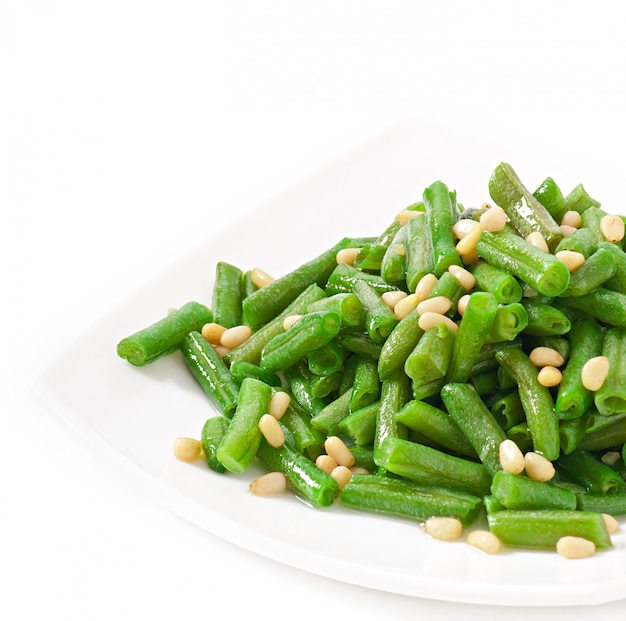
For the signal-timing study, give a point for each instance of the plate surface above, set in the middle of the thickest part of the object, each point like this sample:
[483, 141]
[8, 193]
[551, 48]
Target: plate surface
[133, 415]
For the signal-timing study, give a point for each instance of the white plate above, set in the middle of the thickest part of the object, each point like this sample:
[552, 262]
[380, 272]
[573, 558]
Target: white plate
[133, 415]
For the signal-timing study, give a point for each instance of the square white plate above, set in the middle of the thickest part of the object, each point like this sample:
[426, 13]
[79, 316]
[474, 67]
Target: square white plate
[133, 415]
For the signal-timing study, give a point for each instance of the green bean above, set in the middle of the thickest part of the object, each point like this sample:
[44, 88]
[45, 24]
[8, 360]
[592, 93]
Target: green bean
[538, 269]
[394, 393]
[579, 200]
[536, 400]
[323, 386]
[485, 384]
[418, 248]
[393, 267]
[542, 528]
[298, 379]
[604, 304]
[449, 287]
[441, 212]
[520, 434]
[617, 282]
[486, 358]
[430, 359]
[328, 419]
[250, 349]
[360, 425]
[613, 504]
[476, 422]
[407, 499]
[610, 399]
[525, 212]
[213, 430]
[510, 320]
[594, 272]
[609, 435]
[227, 295]
[379, 318]
[311, 331]
[344, 276]
[299, 431]
[366, 387]
[359, 343]
[516, 491]
[504, 286]
[247, 284]
[436, 425]
[328, 359]
[163, 336]
[474, 327]
[545, 319]
[508, 410]
[399, 344]
[269, 301]
[242, 438]
[307, 481]
[347, 305]
[549, 194]
[571, 433]
[572, 398]
[210, 372]
[242, 369]
[583, 468]
[584, 240]
[429, 466]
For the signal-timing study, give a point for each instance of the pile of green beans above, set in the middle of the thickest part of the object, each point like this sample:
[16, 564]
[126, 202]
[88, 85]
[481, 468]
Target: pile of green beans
[426, 408]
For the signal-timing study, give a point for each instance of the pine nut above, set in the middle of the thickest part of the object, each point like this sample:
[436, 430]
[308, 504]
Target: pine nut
[511, 457]
[406, 305]
[612, 525]
[484, 540]
[465, 277]
[235, 336]
[594, 372]
[537, 240]
[467, 245]
[279, 402]
[408, 214]
[575, 547]
[470, 258]
[571, 218]
[494, 219]
[429, 320]
[464, 227]
[572, 259]
[391, 298]
[444, 528]
[439, 304]
[271, 430]
[567, 230]
[549, 376]
[610, 458]
[260, 278]
[347, 256]
[212, 332]
[290, 320]
[335, 447]
[220, 350]
[537, 467]
[612, 228]
[342, 475]
[425, 286]
[187, 449]
[546, 356]
[269, 484]
[461, 305]
[359, 470]
[326, 463]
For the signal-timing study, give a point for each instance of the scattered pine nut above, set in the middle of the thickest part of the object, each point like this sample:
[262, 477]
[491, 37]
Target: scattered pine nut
[279, 402]
[429, 320]
[464, 227]
[612, 228]
[271, 430]
[549, 376]
[610, 458]
[494, 219]
[212, 332]
[335, 447]
[484, 540]
[439, 304]
[461, 305]
[572, 259]
[467, 245]
[575, 547]
[406, 305]
[594, 372]
[269, 484]
[187, 449]
[571, 218]
[220, 350]
[443, 527]
[391, 298]
[359, 470]
[546, 356]
[235, 336]
[326, 463]
[408, 214]
[612, 525]
[511, 457]
[425, 286]
[465, 277]
[567, 230]
[537, 240]
[537, 467]
[342, 475]
[290, 320]
[260, 278]
[347, 256]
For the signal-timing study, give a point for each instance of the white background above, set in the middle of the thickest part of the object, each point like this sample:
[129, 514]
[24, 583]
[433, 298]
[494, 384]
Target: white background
[129, 129]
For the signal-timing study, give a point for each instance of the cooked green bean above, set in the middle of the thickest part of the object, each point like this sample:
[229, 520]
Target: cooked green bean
[516, 491]
[379, 319]
[227, 295]
[610, 399]
[505, 287]
[583, 468]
